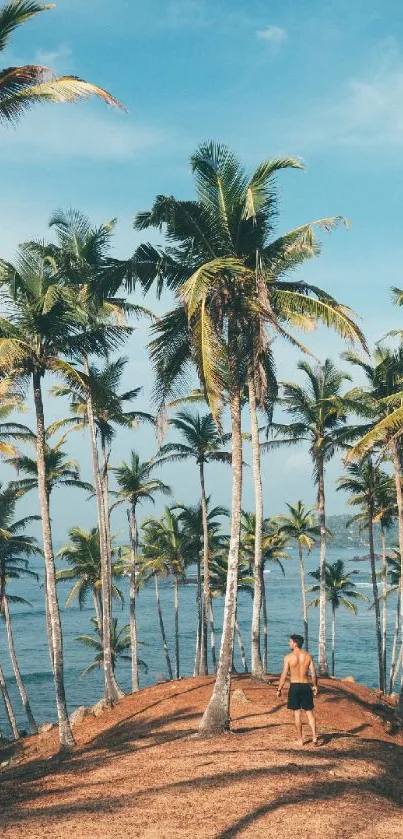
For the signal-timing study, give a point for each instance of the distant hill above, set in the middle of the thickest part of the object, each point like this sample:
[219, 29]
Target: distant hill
[347, 537]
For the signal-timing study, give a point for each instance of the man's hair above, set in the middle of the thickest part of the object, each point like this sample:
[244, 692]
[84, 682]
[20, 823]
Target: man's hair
[298, 639]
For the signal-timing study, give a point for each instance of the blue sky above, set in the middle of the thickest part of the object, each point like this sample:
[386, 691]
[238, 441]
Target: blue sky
[323, 81]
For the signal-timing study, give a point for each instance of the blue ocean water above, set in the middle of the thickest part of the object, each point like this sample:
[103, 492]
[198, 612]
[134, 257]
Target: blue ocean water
[356, 647]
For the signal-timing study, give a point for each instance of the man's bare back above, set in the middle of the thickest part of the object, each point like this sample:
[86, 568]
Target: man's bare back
[299, 664]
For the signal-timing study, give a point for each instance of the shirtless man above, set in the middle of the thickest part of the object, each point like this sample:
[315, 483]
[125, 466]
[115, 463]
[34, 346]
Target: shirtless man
[297, 665]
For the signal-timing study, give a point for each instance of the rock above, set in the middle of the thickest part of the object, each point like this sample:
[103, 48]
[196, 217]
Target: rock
[378, 694]
[393, 698]
[47, 726]
[79, 715]
[99, 708]
[239, 696]
[5, 763]
[348, 679]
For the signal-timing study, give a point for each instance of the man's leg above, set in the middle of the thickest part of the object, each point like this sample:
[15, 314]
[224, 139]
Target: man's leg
[298, 726]
[312, 723]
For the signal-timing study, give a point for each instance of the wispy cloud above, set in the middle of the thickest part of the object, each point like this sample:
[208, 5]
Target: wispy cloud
[79, 132]
[367, 113]
[59, 59]
[274, 35]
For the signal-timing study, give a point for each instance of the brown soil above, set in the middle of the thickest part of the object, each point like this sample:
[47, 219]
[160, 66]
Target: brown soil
[137, 771]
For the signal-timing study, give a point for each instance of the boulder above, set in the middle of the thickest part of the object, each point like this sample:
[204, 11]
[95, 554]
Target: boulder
[99, 708]
[239, 696]
[393, 698]
[348, 679]
[79, 715]
[47, 726]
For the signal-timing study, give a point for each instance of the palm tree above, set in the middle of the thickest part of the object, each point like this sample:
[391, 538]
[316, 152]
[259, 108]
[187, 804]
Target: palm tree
[381, 403]
[120, 642]
[361, 482]
[393, 573]
[136, 485]
[274, 545]
[163, 551]
[40, 327]
[23, 87]
[223, 268]
[191, 519]
[201, 442]
[300, 526]
[59, 472]
[15, 549]
[340, 591]
[219, 571]
[83, 555]
[385, 514]
[93, 277]
[319, 415]
[8, 706]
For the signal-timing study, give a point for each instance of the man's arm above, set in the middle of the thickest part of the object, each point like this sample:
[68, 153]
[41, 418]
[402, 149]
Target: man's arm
[314, 677]
[283, 676]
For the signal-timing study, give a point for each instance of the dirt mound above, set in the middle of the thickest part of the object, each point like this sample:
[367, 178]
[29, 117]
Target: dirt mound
[138, 771]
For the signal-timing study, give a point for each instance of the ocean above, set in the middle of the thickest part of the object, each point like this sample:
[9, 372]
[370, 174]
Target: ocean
[355, 651]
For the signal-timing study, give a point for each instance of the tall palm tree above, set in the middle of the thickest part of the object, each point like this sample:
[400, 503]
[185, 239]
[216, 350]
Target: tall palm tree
[192, 521]
[223, 267]
[219, 571]
[163, 550]
[83, 555]
[300, 526]
[135, 486]
[120, 642]
[340, 591]
[202, 443]
[385, 514]
[23, 87]
[393, 576]
[38, 331]
[15, 549]
[381, 402]
[82, 254]
[319, 415]
[274, 544]
[361, 482]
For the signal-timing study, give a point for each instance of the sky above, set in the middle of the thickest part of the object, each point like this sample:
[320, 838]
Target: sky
[320, 80]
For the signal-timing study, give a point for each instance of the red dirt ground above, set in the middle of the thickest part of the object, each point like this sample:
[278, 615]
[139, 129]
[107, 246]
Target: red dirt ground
[137, 771]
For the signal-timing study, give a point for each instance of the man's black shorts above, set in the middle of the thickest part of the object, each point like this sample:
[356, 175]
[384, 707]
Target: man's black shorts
[300, 696]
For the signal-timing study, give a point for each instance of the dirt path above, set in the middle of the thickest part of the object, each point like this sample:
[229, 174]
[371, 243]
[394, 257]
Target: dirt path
[137, 771]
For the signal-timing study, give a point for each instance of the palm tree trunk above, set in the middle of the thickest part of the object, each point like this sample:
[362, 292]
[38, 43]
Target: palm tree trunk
[216, 716]
[56, 653]
[375, 593]
[303, 595]
[112, 691]
[384, 605]
[176, 611]
[17, 673]
[8, 706]
[196, 670]
[265, 623]
[47, 616]
[206, 575]
[98, 609]
[257, 666]
[393, 672]
[333, 636]
[322, 655]
[399, 501]
[241, 646]
[212, 638]
[132, 598]
[162, 628]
